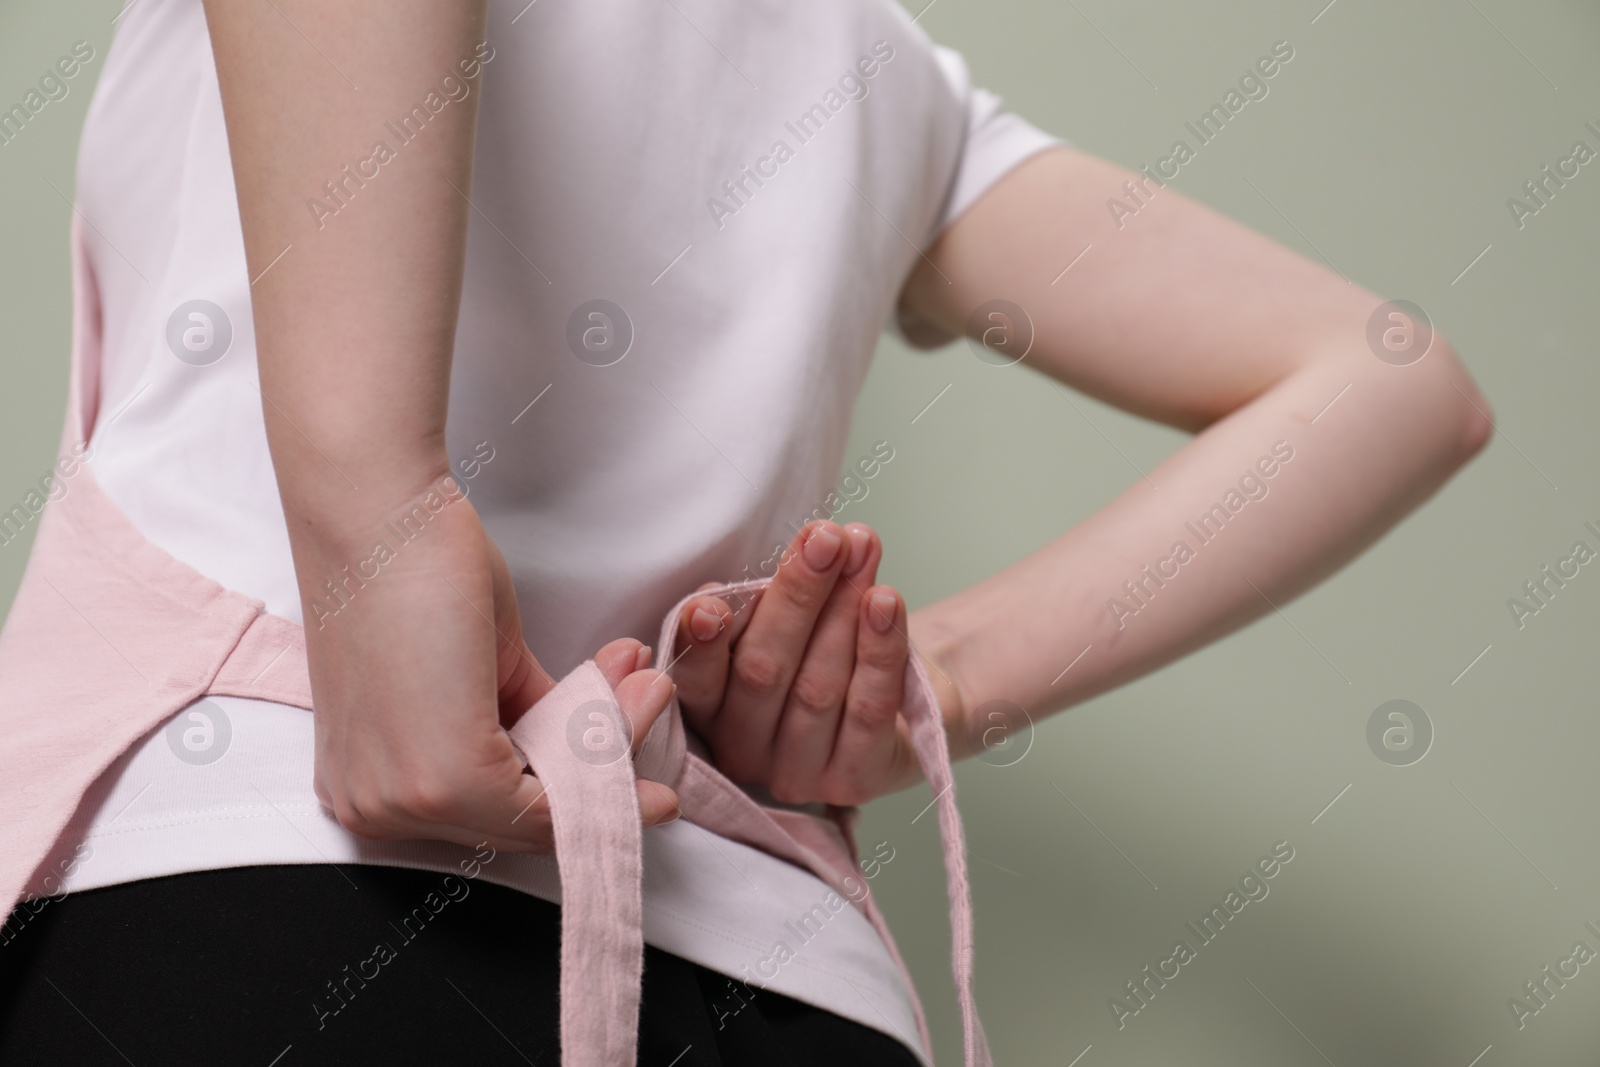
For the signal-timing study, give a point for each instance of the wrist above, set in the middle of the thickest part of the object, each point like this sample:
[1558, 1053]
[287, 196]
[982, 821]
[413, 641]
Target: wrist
[337, 552]
[340, 507]
[934, 644]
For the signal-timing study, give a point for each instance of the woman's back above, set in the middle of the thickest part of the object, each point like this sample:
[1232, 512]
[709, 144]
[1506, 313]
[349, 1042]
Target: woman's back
[747, 265]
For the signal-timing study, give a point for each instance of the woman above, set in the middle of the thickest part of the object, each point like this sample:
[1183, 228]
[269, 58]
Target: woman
[393, 317]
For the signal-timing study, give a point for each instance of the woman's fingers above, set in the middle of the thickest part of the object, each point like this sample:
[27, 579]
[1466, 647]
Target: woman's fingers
[700, 664]
[643, 696]
[769, 653]
[810, 719]
[870, 747]
[527, 819]
[620, 658]
[520, 819]
[490, 799]
[657, 803]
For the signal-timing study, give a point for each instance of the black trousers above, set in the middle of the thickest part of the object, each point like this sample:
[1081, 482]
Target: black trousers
[285, 966]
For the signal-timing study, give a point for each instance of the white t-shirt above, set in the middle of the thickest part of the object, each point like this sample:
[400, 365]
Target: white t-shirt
[690, 224]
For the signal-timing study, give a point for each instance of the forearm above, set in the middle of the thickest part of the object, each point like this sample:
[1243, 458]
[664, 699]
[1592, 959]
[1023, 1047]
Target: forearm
[355, 308]
[1119, 591]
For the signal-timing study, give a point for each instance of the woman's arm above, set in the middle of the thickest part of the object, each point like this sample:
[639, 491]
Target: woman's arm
[417, 661]
[1191, 319]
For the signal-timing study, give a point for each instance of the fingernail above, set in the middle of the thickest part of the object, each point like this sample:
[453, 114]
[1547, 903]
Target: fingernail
[822, 548]
[705, 624]
[860, 549]
[882, 614]
[641, 659]
[671, 815]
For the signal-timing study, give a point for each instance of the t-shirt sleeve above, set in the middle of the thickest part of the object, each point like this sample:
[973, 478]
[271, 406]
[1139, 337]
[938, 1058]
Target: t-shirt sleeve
[996, 140]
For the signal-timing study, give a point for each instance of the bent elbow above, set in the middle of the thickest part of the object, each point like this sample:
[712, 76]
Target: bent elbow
[1475, 423]
[1479, 428]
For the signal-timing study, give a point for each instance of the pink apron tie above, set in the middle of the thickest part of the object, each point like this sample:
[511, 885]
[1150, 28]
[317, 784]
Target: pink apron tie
[595, 812]
[109, 636]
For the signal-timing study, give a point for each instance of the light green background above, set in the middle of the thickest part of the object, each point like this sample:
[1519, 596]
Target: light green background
[1427, 895]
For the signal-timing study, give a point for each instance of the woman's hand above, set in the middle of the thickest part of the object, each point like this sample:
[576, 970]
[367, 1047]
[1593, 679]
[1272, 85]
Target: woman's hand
[418, 672]
[801, 693]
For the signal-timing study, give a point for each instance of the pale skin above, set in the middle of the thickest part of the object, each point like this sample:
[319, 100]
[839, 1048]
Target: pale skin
[1181, 316]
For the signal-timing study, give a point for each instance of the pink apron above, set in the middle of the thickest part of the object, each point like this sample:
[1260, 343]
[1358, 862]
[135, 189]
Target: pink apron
[109, 636]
